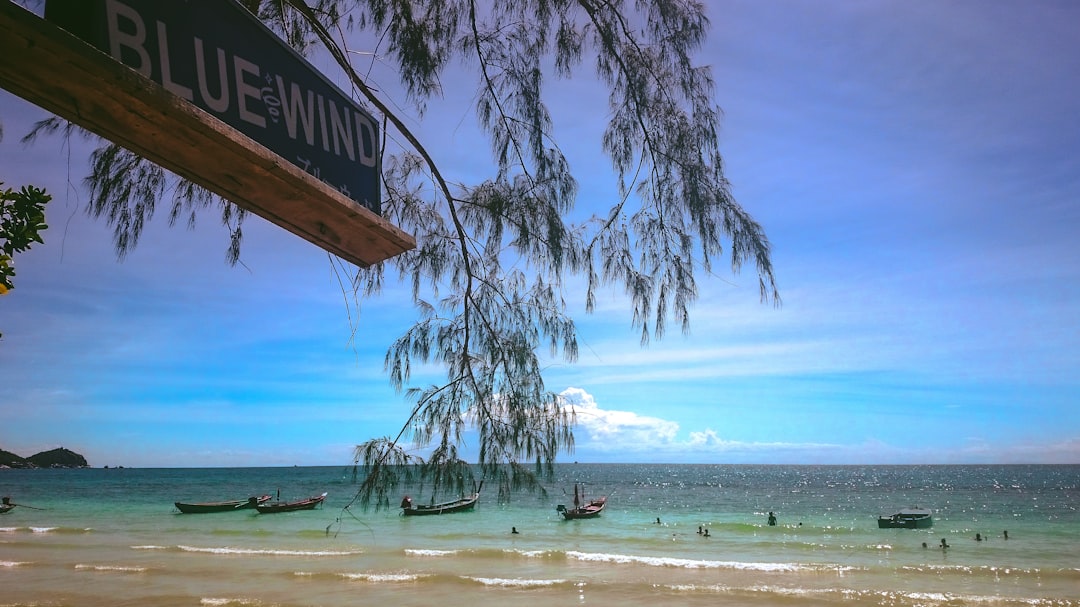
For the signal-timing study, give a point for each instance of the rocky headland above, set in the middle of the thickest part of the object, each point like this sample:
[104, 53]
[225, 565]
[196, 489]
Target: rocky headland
[56, 458]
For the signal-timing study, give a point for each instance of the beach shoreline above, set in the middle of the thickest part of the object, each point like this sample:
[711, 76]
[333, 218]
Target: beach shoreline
[112, 537]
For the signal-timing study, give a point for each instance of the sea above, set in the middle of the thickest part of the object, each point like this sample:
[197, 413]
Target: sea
[112, 537]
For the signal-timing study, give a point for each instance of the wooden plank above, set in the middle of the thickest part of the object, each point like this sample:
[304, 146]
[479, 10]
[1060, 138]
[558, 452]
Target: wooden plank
[50, 68]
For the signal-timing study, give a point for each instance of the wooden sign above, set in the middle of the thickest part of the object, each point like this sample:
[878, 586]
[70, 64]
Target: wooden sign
[218, 56]
[50, 67]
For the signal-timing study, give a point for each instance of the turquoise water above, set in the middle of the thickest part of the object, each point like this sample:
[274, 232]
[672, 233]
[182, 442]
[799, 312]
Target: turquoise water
[112, 537]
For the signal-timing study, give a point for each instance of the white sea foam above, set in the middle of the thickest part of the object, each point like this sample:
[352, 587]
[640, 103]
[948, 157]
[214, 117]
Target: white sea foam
[13, 563]
[996, 570]
[43, 529]
[218, 602]
[121, 568]
[529, 553]
[384, 577]
[925, 599]
[417, 552]
[268, 552]
[656, 561]
[694, 587]
[514, 583]
[149, 547]
[759, 590]
[937, 597]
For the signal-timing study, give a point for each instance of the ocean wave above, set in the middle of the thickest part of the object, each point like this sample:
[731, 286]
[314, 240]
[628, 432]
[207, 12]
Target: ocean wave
[630, 559]
[777, 591]
[14, 563]
[117, 568]
[969, 569]
[267, 551]
[223, 602]
[424, 552]
[374, 578]
[932, 599]
[849, 547]
[384, 578]
[996, 572]
[683, 563]
[492, 553]
[514, 583]
[768, 594]
[45, 530]
[532, 554]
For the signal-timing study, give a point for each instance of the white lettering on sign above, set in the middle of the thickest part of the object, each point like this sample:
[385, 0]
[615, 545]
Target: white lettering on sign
[341, 128]
[365, 139]
[221, 102]
[222, 78]
[245, 90]
[292, 107]
[166, 66]
[119, 39]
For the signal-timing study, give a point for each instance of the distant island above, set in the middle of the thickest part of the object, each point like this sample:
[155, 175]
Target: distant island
[56, 458]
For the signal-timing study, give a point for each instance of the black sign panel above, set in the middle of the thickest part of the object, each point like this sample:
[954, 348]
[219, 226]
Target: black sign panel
[221, 58]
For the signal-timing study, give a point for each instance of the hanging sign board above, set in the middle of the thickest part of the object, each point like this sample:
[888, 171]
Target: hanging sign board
[218, 56]
[270, 135]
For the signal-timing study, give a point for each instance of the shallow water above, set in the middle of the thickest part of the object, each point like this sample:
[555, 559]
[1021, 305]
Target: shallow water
[112, 537]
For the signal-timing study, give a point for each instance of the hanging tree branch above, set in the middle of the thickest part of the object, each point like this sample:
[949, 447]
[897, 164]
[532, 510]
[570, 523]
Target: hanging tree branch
[488, 275]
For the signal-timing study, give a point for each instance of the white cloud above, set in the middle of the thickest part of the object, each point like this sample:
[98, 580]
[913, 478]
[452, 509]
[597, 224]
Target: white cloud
[618, 428]
[610, 435]
[621, 432]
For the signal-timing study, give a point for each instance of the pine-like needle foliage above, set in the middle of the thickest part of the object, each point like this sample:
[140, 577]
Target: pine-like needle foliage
[493, 257]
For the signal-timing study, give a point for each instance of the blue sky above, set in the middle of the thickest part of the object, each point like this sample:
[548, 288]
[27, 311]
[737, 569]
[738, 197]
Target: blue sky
[916, 167]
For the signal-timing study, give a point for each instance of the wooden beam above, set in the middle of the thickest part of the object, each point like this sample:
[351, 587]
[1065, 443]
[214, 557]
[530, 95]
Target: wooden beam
[50, 68]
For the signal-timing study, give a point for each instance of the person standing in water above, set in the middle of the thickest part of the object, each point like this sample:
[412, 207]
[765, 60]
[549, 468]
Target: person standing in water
[772, 519]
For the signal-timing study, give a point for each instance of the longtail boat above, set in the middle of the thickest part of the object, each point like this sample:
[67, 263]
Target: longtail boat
[589, 509]
[462, 504]
[225, 506]
[307, 503]
[459, 505]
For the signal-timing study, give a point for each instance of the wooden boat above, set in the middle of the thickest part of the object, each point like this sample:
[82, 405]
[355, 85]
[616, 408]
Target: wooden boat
[307, 503]
[590, 509]
[459, 505]
[6, 505]
[908, 518]
[462, 504]
[226, 506]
